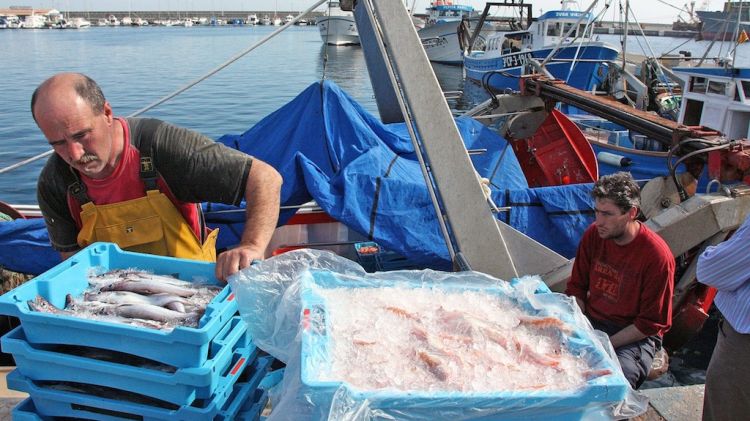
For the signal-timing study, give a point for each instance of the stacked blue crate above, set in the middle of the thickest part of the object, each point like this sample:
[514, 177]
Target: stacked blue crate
[548, 405]
[212, 371]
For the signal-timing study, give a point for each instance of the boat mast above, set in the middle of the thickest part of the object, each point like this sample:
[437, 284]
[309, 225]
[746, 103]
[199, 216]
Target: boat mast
[625, 32]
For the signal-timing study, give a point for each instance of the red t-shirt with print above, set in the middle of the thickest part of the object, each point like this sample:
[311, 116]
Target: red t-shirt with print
[630, 284]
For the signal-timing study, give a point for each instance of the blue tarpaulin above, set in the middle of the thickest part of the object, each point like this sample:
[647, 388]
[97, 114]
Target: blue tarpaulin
[366, 175]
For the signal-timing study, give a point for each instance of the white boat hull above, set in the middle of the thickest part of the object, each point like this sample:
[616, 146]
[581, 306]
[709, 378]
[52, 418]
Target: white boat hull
[338, 30]
[440, 42]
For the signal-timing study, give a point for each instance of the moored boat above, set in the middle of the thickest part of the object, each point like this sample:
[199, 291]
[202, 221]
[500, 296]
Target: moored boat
[337, 27]
[562, 38]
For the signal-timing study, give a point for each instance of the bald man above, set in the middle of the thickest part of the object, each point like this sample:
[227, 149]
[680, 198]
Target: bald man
[138, 182]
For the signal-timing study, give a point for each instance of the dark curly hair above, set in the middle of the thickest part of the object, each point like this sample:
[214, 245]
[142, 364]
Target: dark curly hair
[620, 188]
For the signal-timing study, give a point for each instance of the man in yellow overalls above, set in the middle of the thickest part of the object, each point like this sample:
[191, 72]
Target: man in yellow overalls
[136, 182]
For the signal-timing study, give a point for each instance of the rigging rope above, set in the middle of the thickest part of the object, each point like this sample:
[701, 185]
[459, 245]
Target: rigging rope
[189, 85]
[325, 47]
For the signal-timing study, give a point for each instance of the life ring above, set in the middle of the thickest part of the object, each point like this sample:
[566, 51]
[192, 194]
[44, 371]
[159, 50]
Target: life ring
[10, 211]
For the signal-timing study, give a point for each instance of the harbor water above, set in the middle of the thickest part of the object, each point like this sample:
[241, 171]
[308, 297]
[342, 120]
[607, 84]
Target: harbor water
[136, 66]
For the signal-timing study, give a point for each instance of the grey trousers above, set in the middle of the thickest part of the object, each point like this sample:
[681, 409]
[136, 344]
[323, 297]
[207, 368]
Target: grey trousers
[635, 358]
[728, 377]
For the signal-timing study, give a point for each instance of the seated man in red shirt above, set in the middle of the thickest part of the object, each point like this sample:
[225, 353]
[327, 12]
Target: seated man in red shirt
[623, 276]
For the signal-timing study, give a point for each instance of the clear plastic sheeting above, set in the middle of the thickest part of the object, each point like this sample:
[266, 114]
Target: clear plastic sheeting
[425, 345]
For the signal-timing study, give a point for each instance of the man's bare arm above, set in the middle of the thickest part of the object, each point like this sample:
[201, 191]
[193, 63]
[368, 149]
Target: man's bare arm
[627, 335]
[262, 197]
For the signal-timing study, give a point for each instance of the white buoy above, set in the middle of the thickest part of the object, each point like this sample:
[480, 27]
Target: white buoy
[614, 159]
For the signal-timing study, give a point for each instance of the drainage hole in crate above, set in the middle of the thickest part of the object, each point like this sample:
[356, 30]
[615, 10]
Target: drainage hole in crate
[111, 356]
[106, 393]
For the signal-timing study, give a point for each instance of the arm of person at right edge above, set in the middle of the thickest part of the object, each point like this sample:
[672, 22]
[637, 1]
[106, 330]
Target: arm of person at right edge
[725, 266]
[262, 197]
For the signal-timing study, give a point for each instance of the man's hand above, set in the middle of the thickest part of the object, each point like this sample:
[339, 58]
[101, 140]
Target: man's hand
[231, 261]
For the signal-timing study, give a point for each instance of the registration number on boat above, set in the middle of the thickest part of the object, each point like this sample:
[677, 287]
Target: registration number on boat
[518, 59]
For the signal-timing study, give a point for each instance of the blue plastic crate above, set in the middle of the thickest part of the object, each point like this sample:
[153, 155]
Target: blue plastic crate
[54, 403]
[552, 405]
[366, 252]
[42, 363]
[253, 408]
[25, 411]
[246, 409]
[181, 347]
[272, 379]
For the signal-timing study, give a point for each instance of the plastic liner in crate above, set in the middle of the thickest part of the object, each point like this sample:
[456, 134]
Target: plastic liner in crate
[180, 386]
[181, 347]
[48, 402]
[596, 394]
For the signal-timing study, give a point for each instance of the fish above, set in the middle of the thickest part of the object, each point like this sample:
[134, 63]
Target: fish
[172, 302]
[434, 365]
[41, 305]
[152, 312]
[149, 287]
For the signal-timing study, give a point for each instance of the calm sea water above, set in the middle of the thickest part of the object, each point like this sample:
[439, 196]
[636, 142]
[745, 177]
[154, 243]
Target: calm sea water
[137, 66]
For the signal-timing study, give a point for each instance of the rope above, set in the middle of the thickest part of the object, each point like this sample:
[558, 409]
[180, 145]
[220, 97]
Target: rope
[651, 50]
[188, 86]
[325, 46]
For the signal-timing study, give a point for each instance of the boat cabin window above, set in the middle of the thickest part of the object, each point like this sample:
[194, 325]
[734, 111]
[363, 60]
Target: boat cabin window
[698, 84]
[513, 43]
[567, 27]
[746, 88]
[553, 30]
[715, 87]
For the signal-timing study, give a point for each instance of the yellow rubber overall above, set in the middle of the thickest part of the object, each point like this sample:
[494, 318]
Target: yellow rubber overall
[149, 224]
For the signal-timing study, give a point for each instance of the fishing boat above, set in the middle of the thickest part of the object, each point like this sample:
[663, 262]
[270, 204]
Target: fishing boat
[727, 24]
[714, 99]
[252, 19]
[561, 39]
[439, 36]
[337, 27]
[448, 26]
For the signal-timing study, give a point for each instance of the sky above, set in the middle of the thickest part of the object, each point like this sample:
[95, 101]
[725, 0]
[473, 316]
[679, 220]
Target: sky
[645, 10]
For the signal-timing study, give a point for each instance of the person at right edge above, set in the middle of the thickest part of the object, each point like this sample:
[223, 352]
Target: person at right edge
[726, 267]
[623, 276]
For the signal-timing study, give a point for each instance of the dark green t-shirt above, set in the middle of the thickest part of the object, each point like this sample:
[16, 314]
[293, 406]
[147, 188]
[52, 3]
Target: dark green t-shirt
[195, 168]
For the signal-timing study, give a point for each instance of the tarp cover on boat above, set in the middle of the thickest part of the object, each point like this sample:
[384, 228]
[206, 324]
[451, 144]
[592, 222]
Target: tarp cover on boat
[366, 175]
